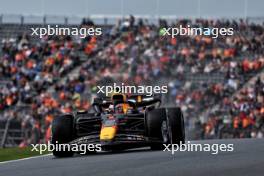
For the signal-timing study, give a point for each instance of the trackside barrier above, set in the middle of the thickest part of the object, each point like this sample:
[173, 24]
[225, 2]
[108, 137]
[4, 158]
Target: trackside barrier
[5, 133]
[11, 134]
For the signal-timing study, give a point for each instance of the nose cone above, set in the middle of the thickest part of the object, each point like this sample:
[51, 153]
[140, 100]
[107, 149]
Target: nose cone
[107, 133]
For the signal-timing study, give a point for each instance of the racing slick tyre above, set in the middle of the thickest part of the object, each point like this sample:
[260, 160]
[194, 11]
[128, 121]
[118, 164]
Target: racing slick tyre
[175, 126]
[154, 119]
[62, 133]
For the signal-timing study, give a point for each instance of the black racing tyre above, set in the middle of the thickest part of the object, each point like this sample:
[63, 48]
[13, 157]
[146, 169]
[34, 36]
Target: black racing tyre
[175, 125]
[62, 133]
[154, 120]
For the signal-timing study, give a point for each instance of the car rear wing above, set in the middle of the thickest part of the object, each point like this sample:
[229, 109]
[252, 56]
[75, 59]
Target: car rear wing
[133, 100]
[144, 100]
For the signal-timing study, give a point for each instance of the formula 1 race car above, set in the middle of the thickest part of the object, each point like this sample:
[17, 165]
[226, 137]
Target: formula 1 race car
[121, 122]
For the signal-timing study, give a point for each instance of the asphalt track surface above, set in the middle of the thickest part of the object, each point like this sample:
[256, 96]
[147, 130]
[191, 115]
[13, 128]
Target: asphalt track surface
[246, 159]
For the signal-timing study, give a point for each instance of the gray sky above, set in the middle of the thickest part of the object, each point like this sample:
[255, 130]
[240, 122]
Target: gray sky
[179, 8]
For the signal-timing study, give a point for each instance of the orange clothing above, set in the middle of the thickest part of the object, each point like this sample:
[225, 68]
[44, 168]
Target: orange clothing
[236, 123]
[245, 122]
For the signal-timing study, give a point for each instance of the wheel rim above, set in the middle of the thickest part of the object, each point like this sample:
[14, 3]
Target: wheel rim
[164, 132]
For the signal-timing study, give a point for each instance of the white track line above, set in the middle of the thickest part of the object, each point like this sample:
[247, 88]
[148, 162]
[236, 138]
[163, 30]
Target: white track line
[22, 159]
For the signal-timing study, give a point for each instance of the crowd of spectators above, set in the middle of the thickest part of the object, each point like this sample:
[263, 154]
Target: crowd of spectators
[29, 69]
[241, 116]
[139, 55]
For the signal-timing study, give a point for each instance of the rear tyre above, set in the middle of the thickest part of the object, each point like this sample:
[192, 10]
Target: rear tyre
[176, 130]
[62, 133]
[154, 119]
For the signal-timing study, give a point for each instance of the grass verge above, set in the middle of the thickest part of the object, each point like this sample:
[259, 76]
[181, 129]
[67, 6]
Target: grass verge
[7, 154]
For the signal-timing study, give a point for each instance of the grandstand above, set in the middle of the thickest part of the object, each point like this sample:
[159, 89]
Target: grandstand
[217, 82]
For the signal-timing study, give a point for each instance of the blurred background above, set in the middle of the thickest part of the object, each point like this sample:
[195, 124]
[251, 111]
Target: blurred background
[218, 83]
